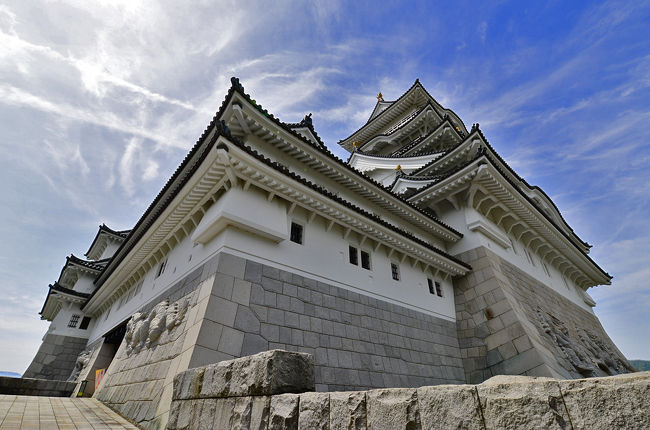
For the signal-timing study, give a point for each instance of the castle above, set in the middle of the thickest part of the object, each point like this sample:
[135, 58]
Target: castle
[423, 259]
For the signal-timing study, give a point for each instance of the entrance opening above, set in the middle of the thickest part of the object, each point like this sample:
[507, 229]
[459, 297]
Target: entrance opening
[107, 351]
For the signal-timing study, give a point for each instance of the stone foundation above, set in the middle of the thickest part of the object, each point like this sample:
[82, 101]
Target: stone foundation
[510, 323]
[238, 307]
[56, 357]
[218, 396]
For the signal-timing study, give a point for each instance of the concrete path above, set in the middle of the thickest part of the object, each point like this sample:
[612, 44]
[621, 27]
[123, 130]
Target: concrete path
[57, 413]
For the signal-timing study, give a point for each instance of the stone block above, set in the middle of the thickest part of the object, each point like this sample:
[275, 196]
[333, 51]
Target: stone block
[393, 409]
[348, 410]
[283, 412]
[617, 402]
[449, 406]
[314, 411]
[231, 341]
[253, 343]
[263, 374]
[241, 292]
[221, 310]
[246, 320]
[231, 265]
[522, 402]
[223, 286]
[187, 384]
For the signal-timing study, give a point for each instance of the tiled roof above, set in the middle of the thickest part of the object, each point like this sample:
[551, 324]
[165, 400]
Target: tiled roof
[323, 149]
[198, 153]
[58, 288]
[486, 156]
[119, 234]
[332, 196]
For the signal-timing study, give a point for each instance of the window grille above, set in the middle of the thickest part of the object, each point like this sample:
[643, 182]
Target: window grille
[394, 270]
[73, 321]
[438, 289]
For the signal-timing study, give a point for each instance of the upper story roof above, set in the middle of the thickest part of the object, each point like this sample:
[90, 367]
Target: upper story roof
[102, 238]
[409, 103]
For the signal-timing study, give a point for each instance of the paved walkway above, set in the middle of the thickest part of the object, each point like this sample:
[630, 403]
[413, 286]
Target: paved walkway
[57, 413]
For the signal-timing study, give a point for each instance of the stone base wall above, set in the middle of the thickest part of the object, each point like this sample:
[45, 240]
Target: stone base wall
[238, 307]
[358, 342]
[56, 357]
[510, 323]
[243, 393]
[35, 387]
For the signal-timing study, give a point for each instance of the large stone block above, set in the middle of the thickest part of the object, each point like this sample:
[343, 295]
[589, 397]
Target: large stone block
[522, 402]
[395, 408]
[348, 410]
[263, 374]
[314, 411]
[608, 403]
[449, 406]
[283, 413]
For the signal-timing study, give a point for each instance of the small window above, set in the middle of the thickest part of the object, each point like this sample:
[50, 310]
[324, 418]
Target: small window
[365, 260]
[84, 323]
[353, 255]
[438, 289]
[394, 270]
[161, 268]
[296, 233]
[432, 289]
[73, 321]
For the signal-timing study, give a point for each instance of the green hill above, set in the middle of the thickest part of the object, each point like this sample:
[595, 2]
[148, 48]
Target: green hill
[641, 365]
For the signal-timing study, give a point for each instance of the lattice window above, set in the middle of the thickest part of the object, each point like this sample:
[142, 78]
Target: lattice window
[73, 321]
[394, 271]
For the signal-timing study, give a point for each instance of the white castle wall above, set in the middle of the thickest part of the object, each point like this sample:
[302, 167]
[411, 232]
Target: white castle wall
[472, 239]
[324, 256]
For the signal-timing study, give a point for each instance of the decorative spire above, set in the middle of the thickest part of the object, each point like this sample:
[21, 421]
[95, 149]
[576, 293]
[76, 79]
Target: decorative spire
[380, 97]
[307, 120]
[399, 167]
[355, 144]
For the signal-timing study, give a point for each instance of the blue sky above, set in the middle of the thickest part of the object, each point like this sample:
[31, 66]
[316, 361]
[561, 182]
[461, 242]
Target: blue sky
[100, 101]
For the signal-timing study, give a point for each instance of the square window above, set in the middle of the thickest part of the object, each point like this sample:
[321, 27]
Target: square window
[438, 289]
[354, 255]
[365, 260]
[394, 270]
[432, 289]
[73, 321]
[296, 233]
[84, 323]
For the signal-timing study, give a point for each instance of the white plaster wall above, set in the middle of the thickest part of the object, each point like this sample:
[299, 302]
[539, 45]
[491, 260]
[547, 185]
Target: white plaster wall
[59, 324]
[324, 256]
[84, 284]
[110, 249]
[517, 257]
[346, 194]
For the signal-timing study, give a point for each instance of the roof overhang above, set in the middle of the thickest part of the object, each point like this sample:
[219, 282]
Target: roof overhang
[494, 195]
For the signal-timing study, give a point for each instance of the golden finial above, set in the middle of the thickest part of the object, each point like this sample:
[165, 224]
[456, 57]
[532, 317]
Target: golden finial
[457, 128]
[380, 97]
[399, 167]
[355, 144]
